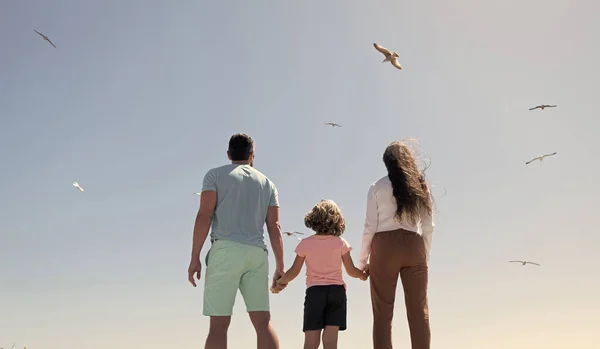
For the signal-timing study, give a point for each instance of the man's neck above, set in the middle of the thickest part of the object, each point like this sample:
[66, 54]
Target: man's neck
[243, 162]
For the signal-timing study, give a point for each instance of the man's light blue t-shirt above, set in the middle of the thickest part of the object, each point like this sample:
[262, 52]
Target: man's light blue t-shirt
[243, 198]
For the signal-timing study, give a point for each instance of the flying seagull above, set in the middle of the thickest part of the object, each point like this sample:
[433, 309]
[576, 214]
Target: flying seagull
[76, 185]
[390, 56]
[45, 37]
[293, 233]
[441, 186]
[541, 157]
[199, 194]
[333, 124]
[542, 106]
[524, 262]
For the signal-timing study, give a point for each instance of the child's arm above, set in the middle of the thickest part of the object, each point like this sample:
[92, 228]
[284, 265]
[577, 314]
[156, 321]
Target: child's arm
[293, 272]
[351, 269]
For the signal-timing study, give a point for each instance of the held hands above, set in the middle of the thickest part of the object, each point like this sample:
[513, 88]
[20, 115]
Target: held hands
[277, 287]
[365, 273]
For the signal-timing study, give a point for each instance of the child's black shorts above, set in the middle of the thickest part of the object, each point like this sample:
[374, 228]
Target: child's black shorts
[324, 306]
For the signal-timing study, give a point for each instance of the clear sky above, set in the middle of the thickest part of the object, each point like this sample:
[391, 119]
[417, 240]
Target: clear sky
[139, 99]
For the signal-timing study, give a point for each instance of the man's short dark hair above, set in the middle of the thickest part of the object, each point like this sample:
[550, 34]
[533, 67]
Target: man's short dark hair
[240, 147]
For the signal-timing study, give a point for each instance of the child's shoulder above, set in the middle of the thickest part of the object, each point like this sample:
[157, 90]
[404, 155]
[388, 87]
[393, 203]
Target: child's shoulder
[344, 242]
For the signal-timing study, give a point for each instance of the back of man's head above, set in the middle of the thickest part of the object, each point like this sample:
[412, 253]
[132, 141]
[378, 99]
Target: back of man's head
[241, 146]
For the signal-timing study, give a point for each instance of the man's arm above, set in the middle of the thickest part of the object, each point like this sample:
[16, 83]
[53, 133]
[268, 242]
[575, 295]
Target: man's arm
[274, 230]
[208, 201]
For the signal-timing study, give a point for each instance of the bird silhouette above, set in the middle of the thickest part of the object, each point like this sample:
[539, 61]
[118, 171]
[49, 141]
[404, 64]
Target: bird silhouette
[294, 233]
[76, 185]
[333, 124]
[525, 262]
[542, 107]
[441, 186]
[540, 158]
[390, 56]
[45, 38]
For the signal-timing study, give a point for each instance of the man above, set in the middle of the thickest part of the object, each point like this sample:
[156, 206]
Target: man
[237, 200]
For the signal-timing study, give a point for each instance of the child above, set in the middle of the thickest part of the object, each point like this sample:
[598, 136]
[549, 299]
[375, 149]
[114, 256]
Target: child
[324, 253]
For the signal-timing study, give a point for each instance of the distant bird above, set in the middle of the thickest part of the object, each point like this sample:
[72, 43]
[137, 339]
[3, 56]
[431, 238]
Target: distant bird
[76, 185]
[441, 186]
[542, 106]
[199, 194]
[44, 37]
[390, 56]
[294, 233]
[541, 157]
[525, 262]
[333, 124]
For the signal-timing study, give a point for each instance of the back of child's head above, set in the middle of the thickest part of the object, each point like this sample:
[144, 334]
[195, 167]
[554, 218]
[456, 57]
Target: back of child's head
[326, 219]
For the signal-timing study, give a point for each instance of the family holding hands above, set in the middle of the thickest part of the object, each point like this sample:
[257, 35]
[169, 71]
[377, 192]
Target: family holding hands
[237, 201]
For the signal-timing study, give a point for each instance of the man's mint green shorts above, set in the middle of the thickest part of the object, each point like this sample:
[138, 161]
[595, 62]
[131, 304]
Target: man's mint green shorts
[231, 265]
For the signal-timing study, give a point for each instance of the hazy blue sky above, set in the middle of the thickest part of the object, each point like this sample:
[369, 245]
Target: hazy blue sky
[139, 99]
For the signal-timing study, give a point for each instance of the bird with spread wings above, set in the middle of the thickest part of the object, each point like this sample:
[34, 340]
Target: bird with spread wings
[540, 158]
[76, 185]
[523, 263]
[293, 233]
[390, 56]
[45, 38]
[542, 107]
[333, 124]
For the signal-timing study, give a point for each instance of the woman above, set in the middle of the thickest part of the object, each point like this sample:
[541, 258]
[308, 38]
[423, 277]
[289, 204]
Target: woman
[397, 205]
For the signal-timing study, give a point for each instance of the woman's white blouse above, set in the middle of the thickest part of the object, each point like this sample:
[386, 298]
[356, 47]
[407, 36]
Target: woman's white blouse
[381, 212]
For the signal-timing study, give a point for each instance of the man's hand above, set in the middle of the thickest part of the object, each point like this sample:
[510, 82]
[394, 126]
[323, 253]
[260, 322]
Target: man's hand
[276, 286]
[195, 268]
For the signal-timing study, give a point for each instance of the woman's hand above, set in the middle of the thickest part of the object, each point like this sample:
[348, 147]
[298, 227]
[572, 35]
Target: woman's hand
[366, 272]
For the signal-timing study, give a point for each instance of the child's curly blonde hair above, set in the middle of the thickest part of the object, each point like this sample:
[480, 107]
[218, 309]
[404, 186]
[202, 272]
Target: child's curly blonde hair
[326, 219]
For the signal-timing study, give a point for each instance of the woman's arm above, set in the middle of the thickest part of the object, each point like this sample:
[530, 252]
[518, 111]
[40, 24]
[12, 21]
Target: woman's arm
[370, 228]
[427, 231]
[427, 227]
[293, 272]
[351, 269]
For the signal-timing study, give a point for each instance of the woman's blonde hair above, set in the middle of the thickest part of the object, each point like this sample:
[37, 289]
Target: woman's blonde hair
[326, 219]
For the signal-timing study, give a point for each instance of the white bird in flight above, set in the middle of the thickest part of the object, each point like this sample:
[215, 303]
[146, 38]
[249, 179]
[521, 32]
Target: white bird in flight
[525, 262]
[390, 56]
[333, 124]
[44, 37]
[441, 186]
[540, 157]
[76, 185]
[199, 194]
[293, 233]
[542, 106]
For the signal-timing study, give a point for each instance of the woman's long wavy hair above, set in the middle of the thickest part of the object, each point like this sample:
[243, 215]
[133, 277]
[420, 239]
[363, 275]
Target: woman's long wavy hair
[410, 188]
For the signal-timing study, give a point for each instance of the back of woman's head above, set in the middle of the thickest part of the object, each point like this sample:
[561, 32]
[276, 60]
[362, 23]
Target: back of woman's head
[408, 183]
[325, 218]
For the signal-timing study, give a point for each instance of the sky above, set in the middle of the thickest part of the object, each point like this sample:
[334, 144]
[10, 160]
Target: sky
[139, 100]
